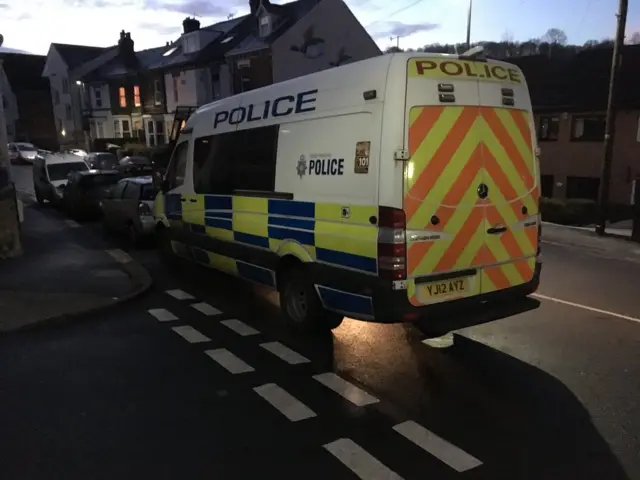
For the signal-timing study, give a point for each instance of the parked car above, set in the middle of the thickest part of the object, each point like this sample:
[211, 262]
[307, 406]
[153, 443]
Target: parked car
[50, 175]
[102, 161]
[129, 208]
[22, 153]
[85, 190]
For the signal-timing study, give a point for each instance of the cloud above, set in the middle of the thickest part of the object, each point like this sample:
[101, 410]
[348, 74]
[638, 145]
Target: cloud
[201, 8]
[399, 29]
[161, 29]
[4, 5]
[24, 16]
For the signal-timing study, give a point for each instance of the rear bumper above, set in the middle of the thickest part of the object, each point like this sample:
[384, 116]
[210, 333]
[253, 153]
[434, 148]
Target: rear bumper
[371, 299]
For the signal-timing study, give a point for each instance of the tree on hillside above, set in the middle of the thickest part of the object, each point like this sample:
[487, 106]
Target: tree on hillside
[555, 35]
[634, 39]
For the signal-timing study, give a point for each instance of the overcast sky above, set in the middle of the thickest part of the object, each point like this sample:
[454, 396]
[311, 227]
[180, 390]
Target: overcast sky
[32, 25]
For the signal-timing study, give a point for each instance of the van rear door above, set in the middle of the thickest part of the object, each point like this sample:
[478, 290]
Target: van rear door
[507, 136]
[444, 214]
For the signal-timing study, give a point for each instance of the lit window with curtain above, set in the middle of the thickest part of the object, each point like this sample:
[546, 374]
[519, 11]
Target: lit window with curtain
[136, 96]
[122, 95]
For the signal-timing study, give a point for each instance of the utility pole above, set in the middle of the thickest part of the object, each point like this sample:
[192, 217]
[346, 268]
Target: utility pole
[397, 40]
[610, 125]
[469, 26]
[10, 245]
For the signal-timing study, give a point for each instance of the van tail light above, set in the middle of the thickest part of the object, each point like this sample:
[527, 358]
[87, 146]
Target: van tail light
[144, 210]
[392, 244]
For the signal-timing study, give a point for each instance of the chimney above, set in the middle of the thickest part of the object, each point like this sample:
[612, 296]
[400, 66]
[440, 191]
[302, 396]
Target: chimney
[190, 25]
[125, 48]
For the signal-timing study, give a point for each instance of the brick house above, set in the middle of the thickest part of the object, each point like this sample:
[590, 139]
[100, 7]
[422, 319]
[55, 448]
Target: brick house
[569, 99]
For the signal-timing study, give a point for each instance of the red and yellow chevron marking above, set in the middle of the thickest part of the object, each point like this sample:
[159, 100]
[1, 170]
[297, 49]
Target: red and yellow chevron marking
[454, 149]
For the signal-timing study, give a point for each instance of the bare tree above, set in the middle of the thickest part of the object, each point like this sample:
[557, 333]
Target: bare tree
[555, 35]
[634, 39]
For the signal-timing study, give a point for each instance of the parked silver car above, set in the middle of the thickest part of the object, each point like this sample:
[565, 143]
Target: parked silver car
[128, 207]
[21, 152]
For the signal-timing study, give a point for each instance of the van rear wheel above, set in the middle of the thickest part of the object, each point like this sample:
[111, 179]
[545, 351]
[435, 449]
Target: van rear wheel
[301, 306]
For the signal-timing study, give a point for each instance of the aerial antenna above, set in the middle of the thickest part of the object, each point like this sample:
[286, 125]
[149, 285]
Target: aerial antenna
[230, 16]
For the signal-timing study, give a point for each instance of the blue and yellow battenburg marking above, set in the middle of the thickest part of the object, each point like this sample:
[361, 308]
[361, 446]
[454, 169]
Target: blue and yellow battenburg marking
[313, 232]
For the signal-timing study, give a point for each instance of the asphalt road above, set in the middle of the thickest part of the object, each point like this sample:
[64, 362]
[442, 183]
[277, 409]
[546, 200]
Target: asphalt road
[186, 392]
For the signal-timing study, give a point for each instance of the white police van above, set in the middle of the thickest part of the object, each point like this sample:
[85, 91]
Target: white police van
[393, 189]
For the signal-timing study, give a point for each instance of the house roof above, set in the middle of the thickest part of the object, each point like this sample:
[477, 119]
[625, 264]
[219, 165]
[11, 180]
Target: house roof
[215, 47]
[289, 13]
[117, 67]
[76, 55]
[24, 71]
[581, 81]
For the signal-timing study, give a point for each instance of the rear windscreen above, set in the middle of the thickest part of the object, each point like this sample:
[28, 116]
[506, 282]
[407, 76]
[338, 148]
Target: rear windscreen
[99, 180]
[60, 171]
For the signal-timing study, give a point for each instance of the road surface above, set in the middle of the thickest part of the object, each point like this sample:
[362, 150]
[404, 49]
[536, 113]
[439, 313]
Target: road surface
[199, 379]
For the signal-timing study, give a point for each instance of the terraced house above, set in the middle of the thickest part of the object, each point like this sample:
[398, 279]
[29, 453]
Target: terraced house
[121, 93]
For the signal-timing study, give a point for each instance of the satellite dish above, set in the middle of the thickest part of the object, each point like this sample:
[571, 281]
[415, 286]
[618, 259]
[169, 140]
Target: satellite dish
[1, 39]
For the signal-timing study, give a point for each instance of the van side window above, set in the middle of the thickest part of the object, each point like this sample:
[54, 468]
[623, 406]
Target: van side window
[178, 165]
[240, 160]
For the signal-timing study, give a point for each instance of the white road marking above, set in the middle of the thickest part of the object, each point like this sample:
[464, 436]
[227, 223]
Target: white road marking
[162, 314]
[284, 402]
[179, 294]
[347, 390]
[240, 328]
[190, 334]
[284, 352]
[585, 307]
[119, 256]
[359, 461]
[206, 308]
[453, 456]
[229, 361]
[445, 341]
[72, 223]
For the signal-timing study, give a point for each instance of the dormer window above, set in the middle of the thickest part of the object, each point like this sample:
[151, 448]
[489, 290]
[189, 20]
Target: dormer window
[169, 52]
[265, 25]
[190, 43]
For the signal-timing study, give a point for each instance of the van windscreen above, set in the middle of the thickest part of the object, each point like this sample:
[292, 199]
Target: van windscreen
[60, 171]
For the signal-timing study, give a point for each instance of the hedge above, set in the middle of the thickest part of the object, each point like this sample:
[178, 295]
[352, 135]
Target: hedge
[578, 211]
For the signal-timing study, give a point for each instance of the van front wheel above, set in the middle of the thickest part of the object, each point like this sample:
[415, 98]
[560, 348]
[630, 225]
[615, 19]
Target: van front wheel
[301, 306]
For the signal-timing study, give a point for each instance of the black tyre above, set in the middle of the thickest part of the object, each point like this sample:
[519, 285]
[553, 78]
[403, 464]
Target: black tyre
[301, 306]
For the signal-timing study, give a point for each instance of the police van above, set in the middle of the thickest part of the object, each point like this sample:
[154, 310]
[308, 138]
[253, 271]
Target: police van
[393, 189]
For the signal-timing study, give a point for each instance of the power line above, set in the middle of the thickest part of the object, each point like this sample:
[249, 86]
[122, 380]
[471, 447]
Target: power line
[400, 10]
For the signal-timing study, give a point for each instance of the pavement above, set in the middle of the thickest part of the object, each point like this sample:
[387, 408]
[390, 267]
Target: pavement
[199, 379]
[63, 272]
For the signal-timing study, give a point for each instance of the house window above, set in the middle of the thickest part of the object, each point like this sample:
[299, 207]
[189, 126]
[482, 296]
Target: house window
[136, 96]
[240, 160]
[157, 92]
[97, 129]
[122, 128]
[67, 111]
[155, 129]
[265, 25]
[5, 102]
[546, 185]
[583, 187]
[122, 96]
[65, 85]
[587, 128]
[92, 129]
[159, 132]
[56, 97]
[97, 96]
[548, 128]
[176, 87]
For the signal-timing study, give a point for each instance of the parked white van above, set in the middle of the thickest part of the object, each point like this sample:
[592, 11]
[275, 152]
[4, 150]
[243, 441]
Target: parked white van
[50, 174]
[397, 188]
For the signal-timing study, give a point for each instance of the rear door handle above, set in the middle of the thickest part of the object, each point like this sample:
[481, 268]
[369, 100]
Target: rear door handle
[496, 230]
[183, 199]
[193, 200]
